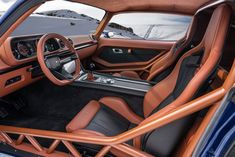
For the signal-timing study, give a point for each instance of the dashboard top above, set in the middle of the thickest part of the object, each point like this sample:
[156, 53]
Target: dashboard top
[18, 50]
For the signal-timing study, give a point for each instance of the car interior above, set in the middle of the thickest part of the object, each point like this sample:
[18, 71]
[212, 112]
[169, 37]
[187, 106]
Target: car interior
[123, 97]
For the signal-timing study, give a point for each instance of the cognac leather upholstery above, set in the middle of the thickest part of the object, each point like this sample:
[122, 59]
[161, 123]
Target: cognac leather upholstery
[111, 116]
[129, 74]
[105, 107]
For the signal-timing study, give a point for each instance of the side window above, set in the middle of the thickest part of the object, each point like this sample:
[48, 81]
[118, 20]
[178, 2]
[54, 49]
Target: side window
[63, 17]
[147, 26]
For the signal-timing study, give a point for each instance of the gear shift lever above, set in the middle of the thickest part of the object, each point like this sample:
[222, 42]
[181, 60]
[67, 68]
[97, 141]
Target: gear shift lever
[90, 75]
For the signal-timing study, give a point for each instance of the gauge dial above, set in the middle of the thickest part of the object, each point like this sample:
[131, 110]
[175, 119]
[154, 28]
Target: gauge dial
[52, 45]
[16, 54]
[23, 49]
[30, 48]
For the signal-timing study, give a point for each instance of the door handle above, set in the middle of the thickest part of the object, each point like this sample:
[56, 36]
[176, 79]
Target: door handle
[117, 51]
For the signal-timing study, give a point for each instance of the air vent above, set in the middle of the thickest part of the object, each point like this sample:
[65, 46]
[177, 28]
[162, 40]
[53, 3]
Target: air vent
[70, 40]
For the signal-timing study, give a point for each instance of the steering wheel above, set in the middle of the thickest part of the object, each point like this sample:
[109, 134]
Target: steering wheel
[52, 63]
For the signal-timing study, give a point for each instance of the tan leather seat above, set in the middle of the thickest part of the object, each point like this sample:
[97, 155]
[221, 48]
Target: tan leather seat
[159, 65]
[111, 116]
[129, 74]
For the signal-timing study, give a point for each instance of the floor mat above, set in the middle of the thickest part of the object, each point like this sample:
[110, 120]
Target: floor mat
[44, 105]
[20, 118]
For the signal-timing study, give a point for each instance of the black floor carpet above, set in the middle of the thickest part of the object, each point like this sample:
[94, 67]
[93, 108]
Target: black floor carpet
[50, 107]
[46, 106]
[20, 118]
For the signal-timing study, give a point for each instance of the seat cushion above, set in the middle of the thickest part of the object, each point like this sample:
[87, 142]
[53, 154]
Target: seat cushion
[98, 119]
[108, 122]
[105, 114]
[129, 74]
[83, 118]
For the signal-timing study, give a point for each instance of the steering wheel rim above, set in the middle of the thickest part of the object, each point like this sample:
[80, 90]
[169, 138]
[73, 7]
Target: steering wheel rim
[42, 60]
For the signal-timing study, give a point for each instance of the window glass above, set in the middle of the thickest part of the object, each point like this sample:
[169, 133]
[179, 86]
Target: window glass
[62, 17]
[147, 26]
[5, 5]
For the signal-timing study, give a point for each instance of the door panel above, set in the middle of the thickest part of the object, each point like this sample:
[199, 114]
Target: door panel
[114, 55]
[117, 55]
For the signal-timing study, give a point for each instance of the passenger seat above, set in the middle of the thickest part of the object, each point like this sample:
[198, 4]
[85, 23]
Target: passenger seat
[111, 116]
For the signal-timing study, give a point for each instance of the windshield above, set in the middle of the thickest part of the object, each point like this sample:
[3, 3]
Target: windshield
[5, 5]
[59, 16]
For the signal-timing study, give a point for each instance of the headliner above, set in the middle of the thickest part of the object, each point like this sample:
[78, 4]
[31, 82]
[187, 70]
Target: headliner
[177, 6]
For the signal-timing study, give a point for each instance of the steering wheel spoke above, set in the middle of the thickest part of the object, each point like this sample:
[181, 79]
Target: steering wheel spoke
[66, 74]
[68, 59]
[62, 74]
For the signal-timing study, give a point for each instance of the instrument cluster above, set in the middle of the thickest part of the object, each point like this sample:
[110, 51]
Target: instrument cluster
[26, 47]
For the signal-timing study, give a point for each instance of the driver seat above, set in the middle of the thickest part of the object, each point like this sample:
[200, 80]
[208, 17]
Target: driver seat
[111, 116]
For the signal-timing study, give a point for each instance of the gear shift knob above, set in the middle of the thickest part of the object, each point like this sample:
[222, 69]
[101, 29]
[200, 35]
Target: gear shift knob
[91, 66]
[90, 75]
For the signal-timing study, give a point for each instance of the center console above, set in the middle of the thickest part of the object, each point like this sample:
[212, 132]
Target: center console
[112, 83]
[105, 82]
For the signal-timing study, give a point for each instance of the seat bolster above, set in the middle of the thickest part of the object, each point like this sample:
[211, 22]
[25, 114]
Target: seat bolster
[130, 74]
[121, 107]
[83, 118]
[117, 75]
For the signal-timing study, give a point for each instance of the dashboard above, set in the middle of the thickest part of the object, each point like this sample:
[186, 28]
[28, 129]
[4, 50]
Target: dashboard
[26, 47]
[21, 50]
[18, 58]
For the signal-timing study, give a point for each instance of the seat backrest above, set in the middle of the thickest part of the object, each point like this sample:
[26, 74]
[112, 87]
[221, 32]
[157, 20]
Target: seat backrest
[193, 68]
[159, 68]
[189, 75]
